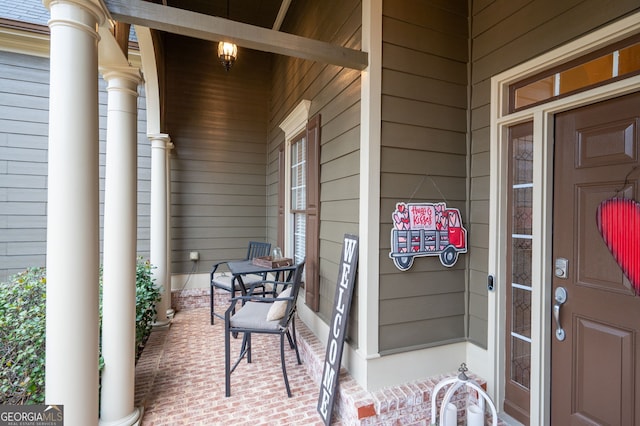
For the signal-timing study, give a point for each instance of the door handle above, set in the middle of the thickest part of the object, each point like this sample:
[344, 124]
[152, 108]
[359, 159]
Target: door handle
[560, 297]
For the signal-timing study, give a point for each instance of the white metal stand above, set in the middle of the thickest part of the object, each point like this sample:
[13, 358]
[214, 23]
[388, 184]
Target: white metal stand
[454, 384]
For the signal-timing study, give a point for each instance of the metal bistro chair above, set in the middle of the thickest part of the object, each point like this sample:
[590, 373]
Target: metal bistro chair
[227, 282]
[265, 315]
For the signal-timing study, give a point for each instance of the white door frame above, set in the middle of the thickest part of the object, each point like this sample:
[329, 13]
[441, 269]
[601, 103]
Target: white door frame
[543, 127]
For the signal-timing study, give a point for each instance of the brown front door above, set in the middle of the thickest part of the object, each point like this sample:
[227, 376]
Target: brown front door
[595, 371]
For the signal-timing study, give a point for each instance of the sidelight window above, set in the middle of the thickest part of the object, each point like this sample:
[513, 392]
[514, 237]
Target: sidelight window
[519, 271]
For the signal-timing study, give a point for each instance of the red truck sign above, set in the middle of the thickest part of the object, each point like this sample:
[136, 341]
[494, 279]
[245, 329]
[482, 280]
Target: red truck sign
[426, 229]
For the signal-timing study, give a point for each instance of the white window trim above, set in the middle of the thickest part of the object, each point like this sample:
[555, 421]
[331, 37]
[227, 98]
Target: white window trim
[542, 117]
[292, 125]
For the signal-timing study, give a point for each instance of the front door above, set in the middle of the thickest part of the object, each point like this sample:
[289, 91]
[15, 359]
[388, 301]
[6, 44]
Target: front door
[595, 371]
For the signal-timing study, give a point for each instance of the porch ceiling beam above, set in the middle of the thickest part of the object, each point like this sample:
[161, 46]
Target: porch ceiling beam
[284, 7]
[206, 27]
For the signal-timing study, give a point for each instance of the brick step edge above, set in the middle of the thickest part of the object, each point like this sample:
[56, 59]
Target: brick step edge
[405, 404]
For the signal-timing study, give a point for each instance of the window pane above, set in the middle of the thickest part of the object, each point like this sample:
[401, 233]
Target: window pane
[590, 73]
[522, 210]
[521, 321]
[629, 59]
[521, 261]
[299, 236]
[534, 92]
[522, 148]
[298, 175]
[520, 361]
[522, 175]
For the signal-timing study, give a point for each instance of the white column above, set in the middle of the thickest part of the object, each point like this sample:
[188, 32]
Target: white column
[159, 242]
[370, 136]
[72, 219]
[119, 252]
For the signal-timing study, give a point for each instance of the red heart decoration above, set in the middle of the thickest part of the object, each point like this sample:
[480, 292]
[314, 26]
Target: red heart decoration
[618, 220]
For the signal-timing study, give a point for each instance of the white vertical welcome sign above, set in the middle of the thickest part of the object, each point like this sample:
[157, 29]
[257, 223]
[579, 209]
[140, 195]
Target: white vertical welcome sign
[338, 326]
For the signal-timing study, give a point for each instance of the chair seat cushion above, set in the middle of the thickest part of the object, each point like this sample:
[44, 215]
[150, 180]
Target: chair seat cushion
[253, 315]
[223, 280]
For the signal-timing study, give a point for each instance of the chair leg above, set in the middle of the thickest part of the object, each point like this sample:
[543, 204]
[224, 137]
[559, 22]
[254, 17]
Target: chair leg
[247, 337]
[284, 368]
[295, 340]
[291, 344]
[227, 361]
[233, 311]
[212, 302]
[245, 350]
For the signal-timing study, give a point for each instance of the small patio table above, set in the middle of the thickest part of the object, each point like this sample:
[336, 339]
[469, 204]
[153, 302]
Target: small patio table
[246, 267]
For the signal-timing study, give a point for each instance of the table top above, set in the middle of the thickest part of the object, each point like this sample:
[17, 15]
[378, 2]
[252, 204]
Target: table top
[244, 267]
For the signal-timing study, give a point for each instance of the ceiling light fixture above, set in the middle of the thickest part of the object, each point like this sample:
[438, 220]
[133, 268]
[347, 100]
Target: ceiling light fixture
[227, 52]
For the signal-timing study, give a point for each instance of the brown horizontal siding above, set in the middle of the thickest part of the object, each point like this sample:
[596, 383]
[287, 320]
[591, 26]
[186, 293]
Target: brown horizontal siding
[217, 121]
[413, 335]
[423, 158]
[442, 16]
[535, 28]
[422, 162]
[402, 135]
[341, 189]
[425, 39]
[422, 64]
[220, 232]
[434, 306]
[425, 89]
[420, 187]
[340, 168]
[422, 284]
[342, 136]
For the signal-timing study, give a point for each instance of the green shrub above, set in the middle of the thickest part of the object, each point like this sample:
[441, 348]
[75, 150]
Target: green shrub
[22, 330]
[147, 295]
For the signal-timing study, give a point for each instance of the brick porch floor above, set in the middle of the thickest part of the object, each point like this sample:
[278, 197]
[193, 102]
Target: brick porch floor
[180, 379]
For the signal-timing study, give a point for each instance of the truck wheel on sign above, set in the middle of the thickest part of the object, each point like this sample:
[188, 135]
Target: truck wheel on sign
[449, 256]
[404, 262]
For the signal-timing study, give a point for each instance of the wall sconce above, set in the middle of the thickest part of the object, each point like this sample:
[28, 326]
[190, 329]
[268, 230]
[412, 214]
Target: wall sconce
[227, 53]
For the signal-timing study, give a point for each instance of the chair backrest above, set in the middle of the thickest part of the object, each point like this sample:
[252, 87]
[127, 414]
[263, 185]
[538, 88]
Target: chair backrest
[258, 249]
[296, 282]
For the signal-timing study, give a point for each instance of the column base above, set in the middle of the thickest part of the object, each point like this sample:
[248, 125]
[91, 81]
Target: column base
[162, 324]
[133, 419]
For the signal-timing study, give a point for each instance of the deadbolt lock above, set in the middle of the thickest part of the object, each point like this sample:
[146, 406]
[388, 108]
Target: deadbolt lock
[562, 268]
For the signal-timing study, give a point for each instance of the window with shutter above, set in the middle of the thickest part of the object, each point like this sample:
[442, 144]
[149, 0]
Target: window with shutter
[298, 196]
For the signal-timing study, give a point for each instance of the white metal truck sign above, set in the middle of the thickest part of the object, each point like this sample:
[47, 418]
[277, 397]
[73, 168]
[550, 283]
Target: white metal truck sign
[426, 229]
